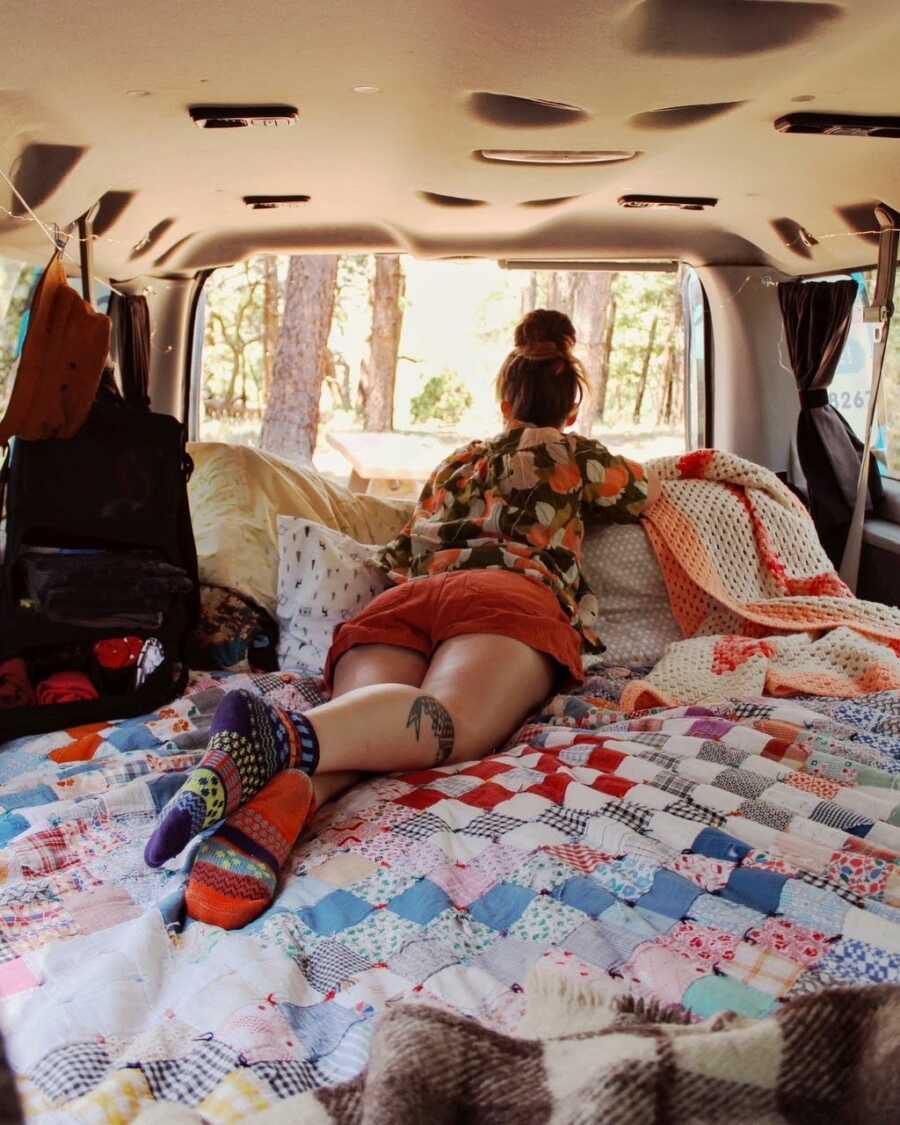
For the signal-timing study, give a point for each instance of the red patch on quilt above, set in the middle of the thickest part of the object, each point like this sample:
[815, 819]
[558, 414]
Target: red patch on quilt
[606, 760]
[553, 788]
[420, 798]
[422, 777]
[486, 796]
[81, 750]
[613, 786]
[486, 769]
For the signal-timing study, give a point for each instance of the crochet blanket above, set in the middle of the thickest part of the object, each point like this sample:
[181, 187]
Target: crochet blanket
[742, 562]
[591, 1047]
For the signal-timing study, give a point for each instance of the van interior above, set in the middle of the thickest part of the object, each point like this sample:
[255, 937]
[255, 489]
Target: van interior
[653, 847]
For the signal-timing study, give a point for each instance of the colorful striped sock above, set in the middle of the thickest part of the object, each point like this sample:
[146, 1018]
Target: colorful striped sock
[250, 742]
[235, 871]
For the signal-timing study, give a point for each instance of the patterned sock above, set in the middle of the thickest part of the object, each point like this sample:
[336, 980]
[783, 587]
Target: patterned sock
[250, 742]
[235, 871]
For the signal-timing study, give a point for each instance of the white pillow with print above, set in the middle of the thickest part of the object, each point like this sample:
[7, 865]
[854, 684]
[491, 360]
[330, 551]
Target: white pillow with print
[324, 578]
[635, 621]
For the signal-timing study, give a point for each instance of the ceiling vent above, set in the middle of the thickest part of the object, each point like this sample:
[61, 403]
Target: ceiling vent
[242, 116]
[674, 202]
[554, 156]
[839, 125]
[271, 202]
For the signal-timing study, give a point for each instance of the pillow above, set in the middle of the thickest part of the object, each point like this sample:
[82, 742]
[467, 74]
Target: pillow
[324, 578]
[236, 494]
[635, 621]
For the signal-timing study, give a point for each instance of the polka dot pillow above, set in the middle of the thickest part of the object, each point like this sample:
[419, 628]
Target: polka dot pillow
[324, 578]
[635, 622]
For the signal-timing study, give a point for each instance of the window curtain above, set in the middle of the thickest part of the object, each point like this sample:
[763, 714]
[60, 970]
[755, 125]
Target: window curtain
[131, 320]
[816, 319]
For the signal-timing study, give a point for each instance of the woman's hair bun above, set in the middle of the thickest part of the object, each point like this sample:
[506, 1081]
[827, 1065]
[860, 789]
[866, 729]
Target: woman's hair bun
[541, 380]
[545, 326]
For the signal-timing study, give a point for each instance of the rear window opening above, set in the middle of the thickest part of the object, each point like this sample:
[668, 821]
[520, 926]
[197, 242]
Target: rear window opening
[412, 348]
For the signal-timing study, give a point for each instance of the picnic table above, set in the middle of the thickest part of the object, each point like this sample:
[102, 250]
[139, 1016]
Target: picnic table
[383, 462]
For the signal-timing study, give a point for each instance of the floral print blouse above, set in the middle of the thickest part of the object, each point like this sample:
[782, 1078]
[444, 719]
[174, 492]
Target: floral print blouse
[518, 502]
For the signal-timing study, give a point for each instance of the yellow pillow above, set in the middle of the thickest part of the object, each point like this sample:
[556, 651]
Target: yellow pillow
[237, 494]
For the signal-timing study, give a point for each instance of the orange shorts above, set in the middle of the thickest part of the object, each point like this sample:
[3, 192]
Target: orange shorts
[422, 613]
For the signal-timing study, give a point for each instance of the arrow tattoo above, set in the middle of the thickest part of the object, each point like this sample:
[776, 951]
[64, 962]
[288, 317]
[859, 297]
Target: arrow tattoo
[441, 725]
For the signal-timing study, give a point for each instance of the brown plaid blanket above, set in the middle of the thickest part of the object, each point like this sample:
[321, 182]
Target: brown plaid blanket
[599, 1057]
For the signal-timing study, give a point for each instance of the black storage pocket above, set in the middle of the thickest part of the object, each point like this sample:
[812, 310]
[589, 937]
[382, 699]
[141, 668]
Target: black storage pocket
[117, 697]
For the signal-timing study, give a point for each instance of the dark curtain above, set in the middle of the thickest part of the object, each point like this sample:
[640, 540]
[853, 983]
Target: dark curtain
[131, 318]
[816, 318]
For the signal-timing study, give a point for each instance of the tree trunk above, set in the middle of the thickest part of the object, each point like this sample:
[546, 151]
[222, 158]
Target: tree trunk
[270, 324]
[645, 368]
[603, 377]
[380, 373]
[553, 290]
[291, 420]
[568, 283]
[530, 293]
[664, 411]
[591, 306]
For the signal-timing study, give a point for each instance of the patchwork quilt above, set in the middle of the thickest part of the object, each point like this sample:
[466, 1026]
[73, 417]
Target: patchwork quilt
[711, 858]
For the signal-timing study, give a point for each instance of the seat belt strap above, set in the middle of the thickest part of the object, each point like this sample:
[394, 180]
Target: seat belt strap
[879, 312]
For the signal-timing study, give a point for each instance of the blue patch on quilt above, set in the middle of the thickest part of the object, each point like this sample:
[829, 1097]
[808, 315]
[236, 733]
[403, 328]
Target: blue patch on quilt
[756, 888]
[422, 902]
[39, 795]
[719, 845]
[337, 911]
[164, 786]
[671, 895]
[851, 960]
[321, 1027]
[584, 894]
[502, 906]
[133, 734]
[11, 824]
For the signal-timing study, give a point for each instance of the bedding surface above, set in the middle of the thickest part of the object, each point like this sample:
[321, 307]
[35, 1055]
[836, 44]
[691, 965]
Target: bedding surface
[712, 858]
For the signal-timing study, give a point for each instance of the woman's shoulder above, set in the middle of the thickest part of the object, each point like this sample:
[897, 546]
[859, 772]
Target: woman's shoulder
[584, 445]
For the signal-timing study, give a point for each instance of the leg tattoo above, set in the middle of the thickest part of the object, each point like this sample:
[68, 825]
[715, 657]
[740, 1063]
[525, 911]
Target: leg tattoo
[441, 725]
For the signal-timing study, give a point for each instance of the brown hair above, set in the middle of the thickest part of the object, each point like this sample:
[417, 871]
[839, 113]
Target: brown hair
[540, 378]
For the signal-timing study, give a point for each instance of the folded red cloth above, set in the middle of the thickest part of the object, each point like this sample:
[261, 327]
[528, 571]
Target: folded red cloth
[15, 687]
[65, 687]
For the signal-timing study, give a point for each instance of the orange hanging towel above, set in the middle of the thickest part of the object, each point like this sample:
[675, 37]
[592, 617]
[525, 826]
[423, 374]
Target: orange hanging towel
[62, 360]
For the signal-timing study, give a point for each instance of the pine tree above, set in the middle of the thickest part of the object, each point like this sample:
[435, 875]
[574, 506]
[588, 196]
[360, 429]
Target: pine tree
[291, 422]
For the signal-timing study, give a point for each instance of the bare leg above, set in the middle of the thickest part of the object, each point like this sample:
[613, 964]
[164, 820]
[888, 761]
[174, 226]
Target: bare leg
[477, 689]
[361, 667]
[473, 695]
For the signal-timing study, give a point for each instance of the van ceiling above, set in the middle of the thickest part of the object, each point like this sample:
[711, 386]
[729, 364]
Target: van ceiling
[94, 104]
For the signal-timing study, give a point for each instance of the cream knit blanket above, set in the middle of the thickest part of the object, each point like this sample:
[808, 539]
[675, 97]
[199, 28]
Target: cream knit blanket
[742, 562]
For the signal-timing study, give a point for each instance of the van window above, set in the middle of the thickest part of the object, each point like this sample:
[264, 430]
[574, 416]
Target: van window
[850, 389]
[413, 347]
[17, 280]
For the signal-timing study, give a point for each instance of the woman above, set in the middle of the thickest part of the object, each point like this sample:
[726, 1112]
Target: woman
[488, 610]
